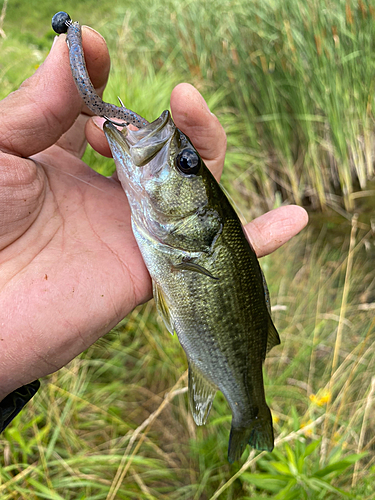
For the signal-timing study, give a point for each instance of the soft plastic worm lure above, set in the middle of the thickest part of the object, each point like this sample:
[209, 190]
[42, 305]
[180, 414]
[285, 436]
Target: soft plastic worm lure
[61, 23]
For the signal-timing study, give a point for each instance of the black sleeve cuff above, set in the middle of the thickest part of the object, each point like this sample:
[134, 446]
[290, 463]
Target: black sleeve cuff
[12, 404]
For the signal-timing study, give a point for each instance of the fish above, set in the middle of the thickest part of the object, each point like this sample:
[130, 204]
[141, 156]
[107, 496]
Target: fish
[207, 283]
[208, 286]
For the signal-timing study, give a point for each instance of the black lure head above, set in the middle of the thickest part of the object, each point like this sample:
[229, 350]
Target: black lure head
[60, 22]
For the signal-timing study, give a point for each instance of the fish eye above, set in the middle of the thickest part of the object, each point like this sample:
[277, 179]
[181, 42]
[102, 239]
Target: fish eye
[188, 161]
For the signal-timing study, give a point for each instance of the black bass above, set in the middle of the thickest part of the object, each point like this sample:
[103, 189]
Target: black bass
[207, 282]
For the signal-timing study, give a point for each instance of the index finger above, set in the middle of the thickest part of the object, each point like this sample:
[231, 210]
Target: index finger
[46, 105]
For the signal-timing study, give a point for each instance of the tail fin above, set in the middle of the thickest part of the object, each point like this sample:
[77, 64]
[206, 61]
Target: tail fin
[259, 434]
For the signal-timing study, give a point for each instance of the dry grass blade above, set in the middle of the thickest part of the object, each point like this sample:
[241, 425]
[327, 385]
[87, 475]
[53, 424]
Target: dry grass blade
[314, 340]
[344, 295]
[344, 302]
[369, 401]
[18, 477]
[142, 485]
[2, 17]
[341, 399]
[127, 461]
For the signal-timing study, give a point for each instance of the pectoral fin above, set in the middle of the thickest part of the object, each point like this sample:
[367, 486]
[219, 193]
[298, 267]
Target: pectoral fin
[201, 395]
[162, 307]
[273, 337]
[192, 266]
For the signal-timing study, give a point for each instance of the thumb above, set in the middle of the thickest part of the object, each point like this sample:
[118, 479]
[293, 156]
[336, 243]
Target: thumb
[47, 104]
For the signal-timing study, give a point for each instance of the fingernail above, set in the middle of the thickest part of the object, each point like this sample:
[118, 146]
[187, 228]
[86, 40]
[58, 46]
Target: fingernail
[93, 31]
[54, 41]
[98, 121]
[205, 103]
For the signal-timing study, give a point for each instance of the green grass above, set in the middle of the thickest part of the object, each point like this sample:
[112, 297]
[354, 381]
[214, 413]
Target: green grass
[292, 83]
[77, 432]
[295, 81]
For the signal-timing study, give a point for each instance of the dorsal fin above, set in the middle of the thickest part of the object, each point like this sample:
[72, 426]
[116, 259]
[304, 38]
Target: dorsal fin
[266, 292]
[201, 394]
[273, 337]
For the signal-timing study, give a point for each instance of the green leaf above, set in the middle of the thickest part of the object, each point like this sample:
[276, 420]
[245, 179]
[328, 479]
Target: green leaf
[311, 448]
[320, 484]
[291, 458]
[340, 465]
[296, 418]
[44, 490]
[308, 451]
[283, 468]
[287, 493]
[267, 482]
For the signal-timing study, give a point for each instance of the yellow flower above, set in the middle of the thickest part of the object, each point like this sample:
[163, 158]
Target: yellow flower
[308, 432]
[321, 398]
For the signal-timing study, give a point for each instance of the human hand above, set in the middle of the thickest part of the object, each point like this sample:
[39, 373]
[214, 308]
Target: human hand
[70, 268]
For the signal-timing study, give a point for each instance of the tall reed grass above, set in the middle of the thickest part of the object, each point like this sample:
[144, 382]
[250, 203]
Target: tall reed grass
[292, 82]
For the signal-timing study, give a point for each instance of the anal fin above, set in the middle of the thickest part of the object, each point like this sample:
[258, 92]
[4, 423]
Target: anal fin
[201, 395]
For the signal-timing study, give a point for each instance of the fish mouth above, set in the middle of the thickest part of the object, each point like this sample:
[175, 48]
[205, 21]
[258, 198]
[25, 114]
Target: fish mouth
[144, 144]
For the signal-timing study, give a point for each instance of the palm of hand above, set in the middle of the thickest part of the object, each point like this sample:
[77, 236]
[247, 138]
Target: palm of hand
[69, 260]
